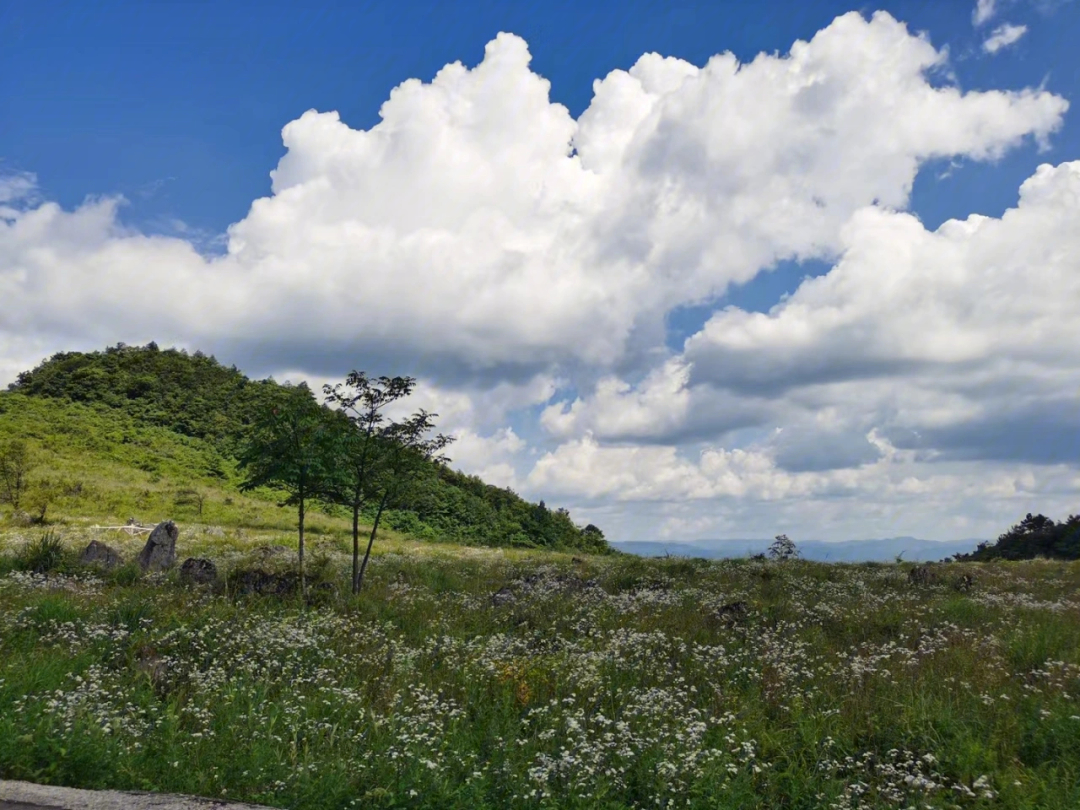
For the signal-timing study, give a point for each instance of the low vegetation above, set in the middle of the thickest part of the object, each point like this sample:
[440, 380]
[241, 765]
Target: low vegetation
[472, 678]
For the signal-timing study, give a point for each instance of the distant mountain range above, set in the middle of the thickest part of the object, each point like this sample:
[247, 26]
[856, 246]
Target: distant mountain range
[880, 550]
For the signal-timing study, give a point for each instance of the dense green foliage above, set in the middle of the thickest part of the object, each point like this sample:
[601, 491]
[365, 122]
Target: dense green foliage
[465, 509]
[185, 418]
[190, 394]
[1034, 536]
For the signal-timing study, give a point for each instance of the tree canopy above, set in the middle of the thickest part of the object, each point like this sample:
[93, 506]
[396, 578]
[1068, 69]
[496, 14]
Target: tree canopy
[1034, 536]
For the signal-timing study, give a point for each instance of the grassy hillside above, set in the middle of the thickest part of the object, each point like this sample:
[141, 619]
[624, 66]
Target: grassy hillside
[501, 678]
[139, 431]
[101, 465]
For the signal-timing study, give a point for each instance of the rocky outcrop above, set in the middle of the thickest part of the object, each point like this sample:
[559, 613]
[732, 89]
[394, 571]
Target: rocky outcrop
[159, 552]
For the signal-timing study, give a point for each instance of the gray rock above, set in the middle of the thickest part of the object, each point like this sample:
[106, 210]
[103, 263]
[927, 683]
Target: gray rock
[198, 571]
[160, 549]
[97, 553]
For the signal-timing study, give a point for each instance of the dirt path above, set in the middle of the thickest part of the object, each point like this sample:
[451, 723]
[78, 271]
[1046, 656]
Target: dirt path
[28, 796]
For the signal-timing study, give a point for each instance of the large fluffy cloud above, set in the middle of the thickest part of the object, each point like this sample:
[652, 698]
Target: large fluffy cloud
[924, 368]
[979, 308]
[479, 226]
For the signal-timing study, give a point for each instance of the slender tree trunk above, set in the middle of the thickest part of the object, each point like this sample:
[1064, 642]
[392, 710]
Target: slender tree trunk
[303, 584]
[371, 540]
[356, 548]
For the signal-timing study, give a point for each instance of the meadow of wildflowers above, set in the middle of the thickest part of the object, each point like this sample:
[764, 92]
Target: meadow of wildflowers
[493, 678]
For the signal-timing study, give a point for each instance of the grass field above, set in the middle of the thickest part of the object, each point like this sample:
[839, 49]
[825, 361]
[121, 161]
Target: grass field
[492, 678]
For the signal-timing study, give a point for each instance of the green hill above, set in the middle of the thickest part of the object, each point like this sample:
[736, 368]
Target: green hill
[145, 431]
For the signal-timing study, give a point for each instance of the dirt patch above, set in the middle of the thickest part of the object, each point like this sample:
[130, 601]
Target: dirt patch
[28, 796]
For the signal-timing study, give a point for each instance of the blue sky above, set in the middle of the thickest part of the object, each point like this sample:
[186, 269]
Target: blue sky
[178, 108]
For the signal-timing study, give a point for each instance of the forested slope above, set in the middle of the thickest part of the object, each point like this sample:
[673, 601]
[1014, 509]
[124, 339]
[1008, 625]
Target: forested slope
[145, 407]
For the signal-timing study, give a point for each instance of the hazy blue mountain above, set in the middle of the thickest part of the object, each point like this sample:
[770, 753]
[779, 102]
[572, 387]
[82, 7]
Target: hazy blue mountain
[880, 550]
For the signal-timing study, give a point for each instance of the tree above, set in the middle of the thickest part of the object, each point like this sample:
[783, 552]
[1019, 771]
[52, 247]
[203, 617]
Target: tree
[360, 401]
[594, 538]
[40, 497]
[783, 548]
[1034, 536]
[288, 448]
[15, 465]
[405, 454]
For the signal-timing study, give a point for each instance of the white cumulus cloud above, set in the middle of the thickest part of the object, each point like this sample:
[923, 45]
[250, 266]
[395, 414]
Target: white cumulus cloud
[463, 233]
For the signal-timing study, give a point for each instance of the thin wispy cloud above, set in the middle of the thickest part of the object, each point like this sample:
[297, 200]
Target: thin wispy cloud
[1002, 37]
[984, 12]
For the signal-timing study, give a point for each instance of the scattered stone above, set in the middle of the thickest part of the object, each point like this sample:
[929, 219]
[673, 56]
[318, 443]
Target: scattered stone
[922, 575]
[97, 553]
[198, 571]
[160, 549]
[503, 597]
[271, 551]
